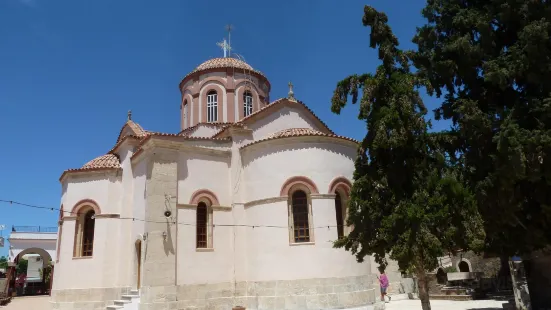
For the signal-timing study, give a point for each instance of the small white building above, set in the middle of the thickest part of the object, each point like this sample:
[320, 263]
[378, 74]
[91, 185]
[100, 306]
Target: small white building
[241, 207]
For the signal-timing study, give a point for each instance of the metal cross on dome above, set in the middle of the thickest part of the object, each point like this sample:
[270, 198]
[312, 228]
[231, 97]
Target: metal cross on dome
[226, 45]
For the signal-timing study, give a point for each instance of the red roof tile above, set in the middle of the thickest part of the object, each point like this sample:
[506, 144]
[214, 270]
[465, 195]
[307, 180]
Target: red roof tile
[298, 132]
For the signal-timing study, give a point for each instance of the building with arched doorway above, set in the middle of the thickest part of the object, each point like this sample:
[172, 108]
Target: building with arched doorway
[238, 208]
[37, 245]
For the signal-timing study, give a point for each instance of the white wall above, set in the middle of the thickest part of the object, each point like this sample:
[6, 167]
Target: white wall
[268, 165]
[204, 130]
[283, 118]
[22, 241]
[270, 256]
[99, 270]
[102, 268]
[214, 266]
[203, 171]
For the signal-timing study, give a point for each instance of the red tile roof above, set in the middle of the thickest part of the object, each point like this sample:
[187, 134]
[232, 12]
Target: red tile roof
[104, 161]
[298, 132]
[224, 62]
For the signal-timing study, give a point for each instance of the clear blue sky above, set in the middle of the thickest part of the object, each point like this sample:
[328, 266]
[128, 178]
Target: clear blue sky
[70, 70]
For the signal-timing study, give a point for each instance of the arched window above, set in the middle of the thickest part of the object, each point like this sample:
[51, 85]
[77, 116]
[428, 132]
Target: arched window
[300, 216]
[247, 103]
[184, 113]
[341, 215]
[84, 234]
[212, 106]
[204, 226]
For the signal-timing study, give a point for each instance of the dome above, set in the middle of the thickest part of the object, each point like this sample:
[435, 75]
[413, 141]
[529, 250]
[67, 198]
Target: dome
[104, 161]
[224, 63]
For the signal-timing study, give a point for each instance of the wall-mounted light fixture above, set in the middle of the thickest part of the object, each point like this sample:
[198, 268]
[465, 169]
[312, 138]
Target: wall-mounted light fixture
[164, 235]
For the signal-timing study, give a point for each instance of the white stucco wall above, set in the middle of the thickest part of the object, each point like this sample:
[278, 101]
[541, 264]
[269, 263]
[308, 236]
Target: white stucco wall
[268, 165]
[198, 267]
[202, 171]
[20, 242]
[283, 118]
[102, 269]
[204, 130]
[99, 270]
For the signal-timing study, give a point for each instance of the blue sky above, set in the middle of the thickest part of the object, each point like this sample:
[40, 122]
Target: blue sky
[70, 70]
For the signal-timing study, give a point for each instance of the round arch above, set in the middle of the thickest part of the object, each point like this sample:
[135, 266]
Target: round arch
[340, 183]
[46, 257]
[84, 203]
[464, 266]
[204, 193]
[302, 180]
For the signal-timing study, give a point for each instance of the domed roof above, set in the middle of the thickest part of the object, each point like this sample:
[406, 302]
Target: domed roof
[104, 161]
[224, 62]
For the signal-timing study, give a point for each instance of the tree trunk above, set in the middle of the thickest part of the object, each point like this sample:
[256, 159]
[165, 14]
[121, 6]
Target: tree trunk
[423, 288]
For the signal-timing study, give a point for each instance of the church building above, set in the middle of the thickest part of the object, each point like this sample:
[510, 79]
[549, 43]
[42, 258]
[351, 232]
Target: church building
[239, 208]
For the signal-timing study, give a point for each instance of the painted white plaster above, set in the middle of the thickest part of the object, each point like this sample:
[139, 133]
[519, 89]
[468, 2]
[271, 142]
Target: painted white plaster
[205, 130]
[283, 118]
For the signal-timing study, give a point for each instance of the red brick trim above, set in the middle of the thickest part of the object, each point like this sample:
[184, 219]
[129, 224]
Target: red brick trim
[204, 193]
[83, 203]
[340, 182]
[298, 180]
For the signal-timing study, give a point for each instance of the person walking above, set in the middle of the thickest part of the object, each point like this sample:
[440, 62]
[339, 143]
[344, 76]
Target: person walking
[383, 282]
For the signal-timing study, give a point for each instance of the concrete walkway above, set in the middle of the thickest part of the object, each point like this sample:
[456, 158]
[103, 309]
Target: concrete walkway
[42, 303]
[28, 303]
[442, 305]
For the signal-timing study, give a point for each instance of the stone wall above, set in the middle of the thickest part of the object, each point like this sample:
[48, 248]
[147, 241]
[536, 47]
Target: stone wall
[89, 298]
[328, 293]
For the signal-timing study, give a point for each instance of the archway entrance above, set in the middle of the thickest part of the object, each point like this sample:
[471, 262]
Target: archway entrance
[463, 267]
[33, 272]
[138, 245]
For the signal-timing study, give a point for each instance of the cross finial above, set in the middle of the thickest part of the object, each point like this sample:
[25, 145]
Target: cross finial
[129, 115]
[291, 94]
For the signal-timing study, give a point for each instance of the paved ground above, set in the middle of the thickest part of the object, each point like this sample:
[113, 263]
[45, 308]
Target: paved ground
[28, 303]
[42, 303]
[447, 305]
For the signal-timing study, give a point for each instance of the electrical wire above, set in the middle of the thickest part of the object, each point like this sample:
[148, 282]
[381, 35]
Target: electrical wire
[13, 202]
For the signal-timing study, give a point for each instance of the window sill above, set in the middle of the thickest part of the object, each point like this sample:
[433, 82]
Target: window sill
[204, 250]
[83, 257]
[302, 243]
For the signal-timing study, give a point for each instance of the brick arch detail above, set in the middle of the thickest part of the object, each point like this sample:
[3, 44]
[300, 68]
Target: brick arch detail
[204, 193]
[83, 203]
[340, 182]
[298, 180]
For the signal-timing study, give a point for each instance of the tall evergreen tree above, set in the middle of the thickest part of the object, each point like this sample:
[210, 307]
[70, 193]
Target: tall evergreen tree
[407, 200]
[491, 62]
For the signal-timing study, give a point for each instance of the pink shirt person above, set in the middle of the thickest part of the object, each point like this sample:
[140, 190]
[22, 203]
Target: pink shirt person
[383, 280]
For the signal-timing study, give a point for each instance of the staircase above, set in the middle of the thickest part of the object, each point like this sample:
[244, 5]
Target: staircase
[127, 302]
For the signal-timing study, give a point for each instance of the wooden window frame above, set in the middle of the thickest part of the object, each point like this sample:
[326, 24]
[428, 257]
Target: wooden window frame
[292, 238]
[344, 229]
[81, 226]
[208, 228]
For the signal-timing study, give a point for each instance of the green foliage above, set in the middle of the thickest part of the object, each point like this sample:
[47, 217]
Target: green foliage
[46, 273]
[490, 62]
[450, 269]
[4, 262]
[21, 267]
[407, 200]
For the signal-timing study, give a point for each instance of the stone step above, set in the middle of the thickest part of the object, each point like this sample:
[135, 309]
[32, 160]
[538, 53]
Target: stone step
[114, 307]
[122, 302]
[135, 292]
[129, 297]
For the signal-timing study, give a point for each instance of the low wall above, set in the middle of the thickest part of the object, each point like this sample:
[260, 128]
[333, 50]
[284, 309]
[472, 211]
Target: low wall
[90, 298]
[325, 293]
